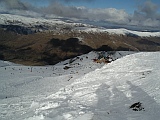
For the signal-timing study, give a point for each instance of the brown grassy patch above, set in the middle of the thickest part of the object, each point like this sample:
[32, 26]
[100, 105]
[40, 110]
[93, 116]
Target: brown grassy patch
[37, 49]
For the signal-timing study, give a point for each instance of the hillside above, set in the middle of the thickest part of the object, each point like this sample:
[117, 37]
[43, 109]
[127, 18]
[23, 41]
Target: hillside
[39, 41]
[125, 89]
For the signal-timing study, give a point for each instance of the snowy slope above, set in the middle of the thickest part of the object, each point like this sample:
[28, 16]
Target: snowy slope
[20, 80]
[93, 92]
[122, 31]
[107, 93]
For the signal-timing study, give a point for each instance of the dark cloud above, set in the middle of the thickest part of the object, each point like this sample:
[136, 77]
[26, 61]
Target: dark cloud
[149, 9]
[14, 4]
[78, 0]
[146, 15]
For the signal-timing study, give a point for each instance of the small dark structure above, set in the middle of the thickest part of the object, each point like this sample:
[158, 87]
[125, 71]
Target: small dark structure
[137, 106]
[102, 58]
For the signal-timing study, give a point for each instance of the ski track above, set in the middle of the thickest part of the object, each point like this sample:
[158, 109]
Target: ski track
[104, 92]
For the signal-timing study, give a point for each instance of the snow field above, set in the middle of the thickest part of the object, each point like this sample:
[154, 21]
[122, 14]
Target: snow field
[96, 92]
[107, 93]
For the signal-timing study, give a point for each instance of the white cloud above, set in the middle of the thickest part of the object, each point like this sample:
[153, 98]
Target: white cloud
[110, 14]
[146, 14]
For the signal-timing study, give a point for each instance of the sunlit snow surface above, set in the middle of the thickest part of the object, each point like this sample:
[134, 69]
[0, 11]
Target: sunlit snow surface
[87, 91]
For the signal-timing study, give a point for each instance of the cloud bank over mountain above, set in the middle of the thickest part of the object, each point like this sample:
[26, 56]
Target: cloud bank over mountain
[146, 15]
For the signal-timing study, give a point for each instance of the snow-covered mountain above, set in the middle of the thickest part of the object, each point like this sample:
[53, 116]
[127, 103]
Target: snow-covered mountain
[31, 25]
[80, 89]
